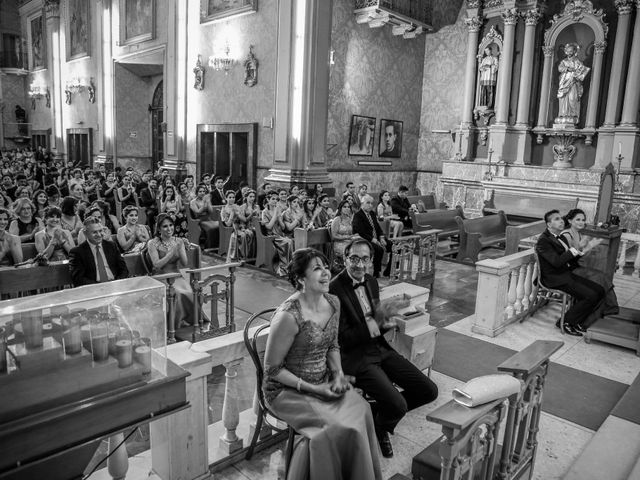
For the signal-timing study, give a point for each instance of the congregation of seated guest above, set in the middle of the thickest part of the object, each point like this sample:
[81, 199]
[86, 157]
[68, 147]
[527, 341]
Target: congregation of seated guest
[5, 200]
[127, 193]
[323, 213]
[148, 199]
[70, 219]
[96, 212]
[242, 239]
[341, 233]
[25, 225]
[400, 206]
[132, 237]
[10, 247]
[385, 212]
[108, 190]
[249, 207]
[53, 196]
[172, 204]
[574, 223]
[40, 202]
[304, 384]
[308, 213]
[293, 216]
[201, 209]
[272, 221]
[366, 226]
[53, 242]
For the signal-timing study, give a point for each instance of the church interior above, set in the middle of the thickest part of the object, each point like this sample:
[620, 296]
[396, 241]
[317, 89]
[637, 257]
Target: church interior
[490, 112]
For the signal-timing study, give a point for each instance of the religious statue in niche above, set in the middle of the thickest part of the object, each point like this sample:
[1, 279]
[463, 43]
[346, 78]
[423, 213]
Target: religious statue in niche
[572, 74]
[488, 78]
[251, 69]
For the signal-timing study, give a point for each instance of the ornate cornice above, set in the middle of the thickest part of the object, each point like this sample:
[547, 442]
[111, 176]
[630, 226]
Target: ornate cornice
[548, 51]
[473, 3]
[532, 17]
[492, 37]
[624, 7]
[600, 47]
[510, 16]
[576, 10]
[52, 8]
[493, 3]
[474, 24]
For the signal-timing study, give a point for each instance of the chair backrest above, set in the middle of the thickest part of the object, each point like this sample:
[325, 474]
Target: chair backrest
[489, 225]
[251, 342]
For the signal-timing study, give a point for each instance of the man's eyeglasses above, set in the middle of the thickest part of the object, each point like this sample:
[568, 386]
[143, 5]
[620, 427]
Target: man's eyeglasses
[359, 260]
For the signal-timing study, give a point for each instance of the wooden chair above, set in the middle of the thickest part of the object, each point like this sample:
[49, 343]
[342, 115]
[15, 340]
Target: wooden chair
[552, 295]
[255, 346]
[265, 249]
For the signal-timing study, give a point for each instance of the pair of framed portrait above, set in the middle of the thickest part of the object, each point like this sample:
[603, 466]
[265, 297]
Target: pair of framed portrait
[363, 133]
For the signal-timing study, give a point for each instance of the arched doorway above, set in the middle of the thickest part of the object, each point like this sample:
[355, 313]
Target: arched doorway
[157, 126]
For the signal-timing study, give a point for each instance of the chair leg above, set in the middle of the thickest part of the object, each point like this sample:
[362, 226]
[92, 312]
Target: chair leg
[256, 434]
[289, 451]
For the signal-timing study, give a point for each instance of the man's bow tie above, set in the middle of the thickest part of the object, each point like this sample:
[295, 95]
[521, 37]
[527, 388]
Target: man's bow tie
[359, 284]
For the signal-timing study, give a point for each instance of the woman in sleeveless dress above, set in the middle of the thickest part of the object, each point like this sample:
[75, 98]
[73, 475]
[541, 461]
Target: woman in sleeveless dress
[201, 209]
[241, 242]
[10, 248]
[54, 243]
[273, 223]
[341, 233]
[70, 220]
[304, 384]
[168, 254]
[575, 222]
[132, 237]
[26, 224]
[386, 213]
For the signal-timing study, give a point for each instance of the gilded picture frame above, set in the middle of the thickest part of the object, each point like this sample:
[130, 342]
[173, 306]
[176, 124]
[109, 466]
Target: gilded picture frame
[213, 10]
[137, 21]
[362, 135]
[78, 24]
[390, 144]
[38, 42]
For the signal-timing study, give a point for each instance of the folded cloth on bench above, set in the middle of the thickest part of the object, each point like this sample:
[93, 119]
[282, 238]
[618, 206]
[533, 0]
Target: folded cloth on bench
[485, 389]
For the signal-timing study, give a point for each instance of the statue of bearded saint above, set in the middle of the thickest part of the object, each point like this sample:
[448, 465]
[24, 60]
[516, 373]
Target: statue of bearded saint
[572, 74]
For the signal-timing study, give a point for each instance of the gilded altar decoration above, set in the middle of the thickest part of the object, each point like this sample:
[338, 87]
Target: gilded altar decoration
[572, 74]
[251, 69]
[564, 151]
[488, 78]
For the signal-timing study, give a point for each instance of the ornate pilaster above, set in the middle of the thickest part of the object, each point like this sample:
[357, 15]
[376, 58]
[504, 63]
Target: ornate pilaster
[474, 24]
[531, 19]
[632, 92]
[614, 97]
[52, 15]
[594, 92]
[510, 18]
[543, 110]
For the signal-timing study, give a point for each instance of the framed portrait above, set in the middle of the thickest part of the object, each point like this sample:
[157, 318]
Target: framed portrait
[390, 138]
[137, 21]
[361, 135]
[212, 10]
[78, 29]
[38, 42]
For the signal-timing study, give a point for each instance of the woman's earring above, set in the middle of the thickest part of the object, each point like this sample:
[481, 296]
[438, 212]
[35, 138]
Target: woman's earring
[303, 287]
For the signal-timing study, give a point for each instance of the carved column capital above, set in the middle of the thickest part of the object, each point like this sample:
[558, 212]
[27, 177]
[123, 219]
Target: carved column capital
[510, 16]
[474, 24]
[473, 3]
[548, 51]
[52, 8]
[624, 7]
[532, 17]
[600, 47]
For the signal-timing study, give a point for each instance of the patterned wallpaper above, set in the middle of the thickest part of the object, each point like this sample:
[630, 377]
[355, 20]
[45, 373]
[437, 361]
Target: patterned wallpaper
[225, 98]
[375, 74]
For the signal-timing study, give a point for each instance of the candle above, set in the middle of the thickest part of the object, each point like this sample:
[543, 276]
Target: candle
[143, 356]
[124, 353]
[32, 329]
[619, 148]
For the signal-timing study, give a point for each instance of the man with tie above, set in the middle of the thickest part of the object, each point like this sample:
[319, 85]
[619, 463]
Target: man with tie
[217, 194]
[557, 260]
[365, 224]
[365, 352]
[96, 260]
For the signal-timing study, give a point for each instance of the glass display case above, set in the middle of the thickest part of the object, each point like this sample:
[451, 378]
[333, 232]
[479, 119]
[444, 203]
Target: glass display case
[99, 348]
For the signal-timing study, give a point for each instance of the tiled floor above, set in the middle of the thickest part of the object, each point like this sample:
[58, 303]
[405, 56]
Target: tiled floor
[451, 305]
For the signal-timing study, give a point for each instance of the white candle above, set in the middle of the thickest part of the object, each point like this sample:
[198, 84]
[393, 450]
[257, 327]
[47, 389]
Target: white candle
[619, 148]
[490, 144]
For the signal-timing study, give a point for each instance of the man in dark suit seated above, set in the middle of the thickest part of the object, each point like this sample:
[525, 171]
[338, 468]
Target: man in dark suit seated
[400, 206]
[149, 201]
[96, 260]
[217, 194]
[365, 352]
[365, 224]
[557, 260]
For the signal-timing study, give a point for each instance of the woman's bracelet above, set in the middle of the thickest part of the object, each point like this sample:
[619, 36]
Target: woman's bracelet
[335, 373]
[298, 385]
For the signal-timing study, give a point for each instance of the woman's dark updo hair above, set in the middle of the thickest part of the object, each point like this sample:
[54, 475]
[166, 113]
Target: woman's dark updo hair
[67, 206]
[299, 263]
[382, 195]
[321, 197]
[161, 218]
[571, 215]
[342, 204]
[52, 212]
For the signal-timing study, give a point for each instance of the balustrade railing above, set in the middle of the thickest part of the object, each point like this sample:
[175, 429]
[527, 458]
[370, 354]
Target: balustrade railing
[627, 243]
[507, 291]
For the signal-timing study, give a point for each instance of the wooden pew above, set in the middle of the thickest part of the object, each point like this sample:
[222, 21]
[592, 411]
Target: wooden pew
[479, 233]
[303, 238]
[444, 221]
[265, 249]
[515, 234]
[521, 208]
[16, 282]
[426, 202]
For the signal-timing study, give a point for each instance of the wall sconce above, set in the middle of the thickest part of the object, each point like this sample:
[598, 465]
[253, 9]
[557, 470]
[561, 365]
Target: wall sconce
[36, 92]
[92, 91]
[222, 63]
[78, 85]
[198, 71]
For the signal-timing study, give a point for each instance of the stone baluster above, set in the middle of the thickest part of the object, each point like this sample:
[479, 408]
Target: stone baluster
[614, 96]
[622, 259]
[531, 18]
[230, 442]
[526, 300]
[473, 25]
[510, 18]
[632, 92]
[594, 91]
[118, 461]
[511, 293]
[543, 109]
[518, 305]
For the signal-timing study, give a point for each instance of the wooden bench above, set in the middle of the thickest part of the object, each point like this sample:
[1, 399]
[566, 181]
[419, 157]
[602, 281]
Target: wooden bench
[426, 202]
[193, 225]
[479, 233]
[516, 233]
[443, 220]
[16, 282]
[303, 238]
[521, 208]
[265, 249]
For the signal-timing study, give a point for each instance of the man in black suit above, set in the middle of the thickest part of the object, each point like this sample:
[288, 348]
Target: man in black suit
[96, 260]
[365, 352]
[557, 260]
[149, 201]
[365, 224]
[217, 194]
[400, 206]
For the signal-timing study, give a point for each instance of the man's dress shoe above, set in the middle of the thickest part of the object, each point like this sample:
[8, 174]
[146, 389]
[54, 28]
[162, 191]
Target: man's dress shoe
[385, 444]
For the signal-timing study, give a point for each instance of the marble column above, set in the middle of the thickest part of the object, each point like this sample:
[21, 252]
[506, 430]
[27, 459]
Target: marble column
[302, 92]
[614, 97]
[543, 111]
[473, 25]
[52, 13]
[510, 18]
[632, 92]
[526, 73]
[104, 85]
[594, 92]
